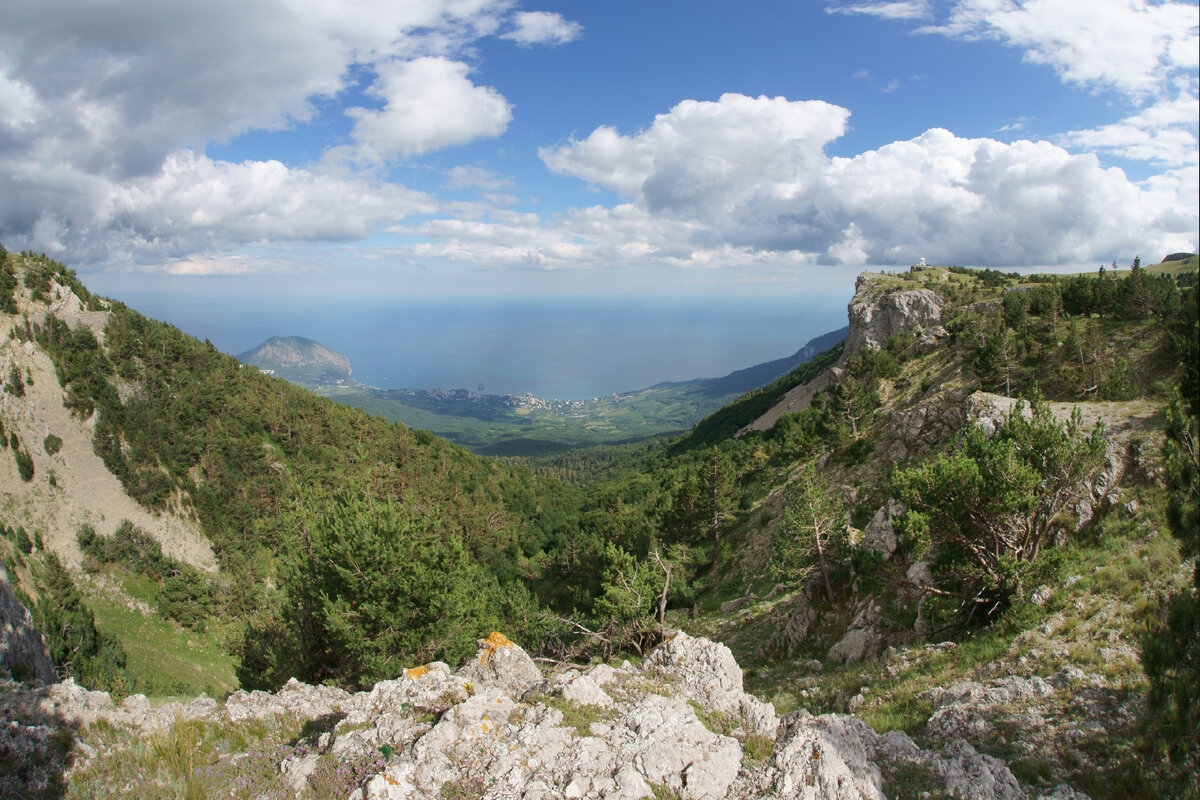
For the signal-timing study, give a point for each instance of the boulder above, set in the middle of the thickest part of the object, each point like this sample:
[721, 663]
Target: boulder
[856, 645]
[787, 640]
[502, 664]
[880, 534]
[707, 672]
[830, 757]
[583, 689]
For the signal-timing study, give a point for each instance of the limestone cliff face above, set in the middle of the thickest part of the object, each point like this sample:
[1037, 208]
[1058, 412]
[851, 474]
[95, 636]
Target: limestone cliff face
[877, 314]
[23, 652]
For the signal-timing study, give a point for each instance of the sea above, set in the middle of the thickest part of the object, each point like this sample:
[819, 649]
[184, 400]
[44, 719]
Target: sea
[565, 348]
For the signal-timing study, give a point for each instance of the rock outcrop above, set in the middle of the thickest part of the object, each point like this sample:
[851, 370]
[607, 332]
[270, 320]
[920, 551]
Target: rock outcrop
[679, 724]
[23, 651]
[877, 314]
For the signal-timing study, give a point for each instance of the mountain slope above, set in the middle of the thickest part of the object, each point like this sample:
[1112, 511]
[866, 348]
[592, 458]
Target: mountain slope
[70, 484]
[1036, 692]
[223, 466]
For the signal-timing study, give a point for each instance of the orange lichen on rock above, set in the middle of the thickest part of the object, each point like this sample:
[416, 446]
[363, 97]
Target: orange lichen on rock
[493, 643]
[415, 672]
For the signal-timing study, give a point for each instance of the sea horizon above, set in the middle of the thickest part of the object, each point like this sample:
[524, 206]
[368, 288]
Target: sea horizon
[559, 348]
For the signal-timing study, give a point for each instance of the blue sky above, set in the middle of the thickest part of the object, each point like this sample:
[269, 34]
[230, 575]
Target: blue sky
[504, 147]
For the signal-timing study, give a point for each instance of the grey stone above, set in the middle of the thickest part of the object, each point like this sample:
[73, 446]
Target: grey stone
[501, 663]
[708, 673]
[880, 534]
[1063, 792]
[827, 758]
[876, 316]
[793, 633]
[23, 651]
[856, 645]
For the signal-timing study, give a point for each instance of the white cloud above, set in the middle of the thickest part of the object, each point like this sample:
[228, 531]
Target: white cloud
[1146, 51]
[749, 176]
[1131, 46]
[899, 9]
[102, 100]
[716, 154]
[1163, 132]
[1017, 125]
[195, 204]
[465, 176]
[430, 104]
[542, 27]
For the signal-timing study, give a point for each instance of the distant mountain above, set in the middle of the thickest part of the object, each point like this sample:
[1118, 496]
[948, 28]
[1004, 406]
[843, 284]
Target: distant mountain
[743, 380]
[300, 361]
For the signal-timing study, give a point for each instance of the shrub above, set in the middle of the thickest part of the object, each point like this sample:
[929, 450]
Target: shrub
[24, 464]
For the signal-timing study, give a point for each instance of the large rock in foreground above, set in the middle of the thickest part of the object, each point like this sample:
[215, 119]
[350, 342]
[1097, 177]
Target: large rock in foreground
[680, 724]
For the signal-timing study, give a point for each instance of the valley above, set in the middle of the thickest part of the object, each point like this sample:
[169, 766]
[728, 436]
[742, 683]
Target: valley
[951, 553]
[525, 425]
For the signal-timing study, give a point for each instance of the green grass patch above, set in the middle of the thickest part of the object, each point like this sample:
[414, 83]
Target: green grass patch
[194, 760]
[164, 658]
[577, 715]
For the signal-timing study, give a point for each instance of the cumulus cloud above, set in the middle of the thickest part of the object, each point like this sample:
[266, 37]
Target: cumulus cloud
[1147, 52]
[1163, 133]
[430, 104]
[749, 175]
[195, 204]
[1131, 46]
[713, 154]
[103, 100]
[542, 27]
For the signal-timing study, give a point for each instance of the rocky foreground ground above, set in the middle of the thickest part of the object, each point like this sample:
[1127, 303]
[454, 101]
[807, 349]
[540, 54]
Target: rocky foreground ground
[679, 724]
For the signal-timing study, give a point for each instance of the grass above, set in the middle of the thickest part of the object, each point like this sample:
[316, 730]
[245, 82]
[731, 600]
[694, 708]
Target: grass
[193, 760]
[663, 792]
[913, 781]
[579, 716]
[1104, 583]
[164, 658]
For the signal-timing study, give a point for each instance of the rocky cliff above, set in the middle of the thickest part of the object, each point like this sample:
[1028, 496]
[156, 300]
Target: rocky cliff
[881, 310]
[677, 725]
[23, 652]
[883, 306]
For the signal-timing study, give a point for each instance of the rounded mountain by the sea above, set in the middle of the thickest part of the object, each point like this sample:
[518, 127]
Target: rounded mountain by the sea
[299, 360]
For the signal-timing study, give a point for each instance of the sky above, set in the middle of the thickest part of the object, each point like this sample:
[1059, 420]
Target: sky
[341, 148]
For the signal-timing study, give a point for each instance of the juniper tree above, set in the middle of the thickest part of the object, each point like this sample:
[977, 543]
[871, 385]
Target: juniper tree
[985, 508]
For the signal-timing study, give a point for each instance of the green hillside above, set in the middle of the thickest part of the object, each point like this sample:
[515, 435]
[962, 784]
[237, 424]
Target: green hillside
[877, 522]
